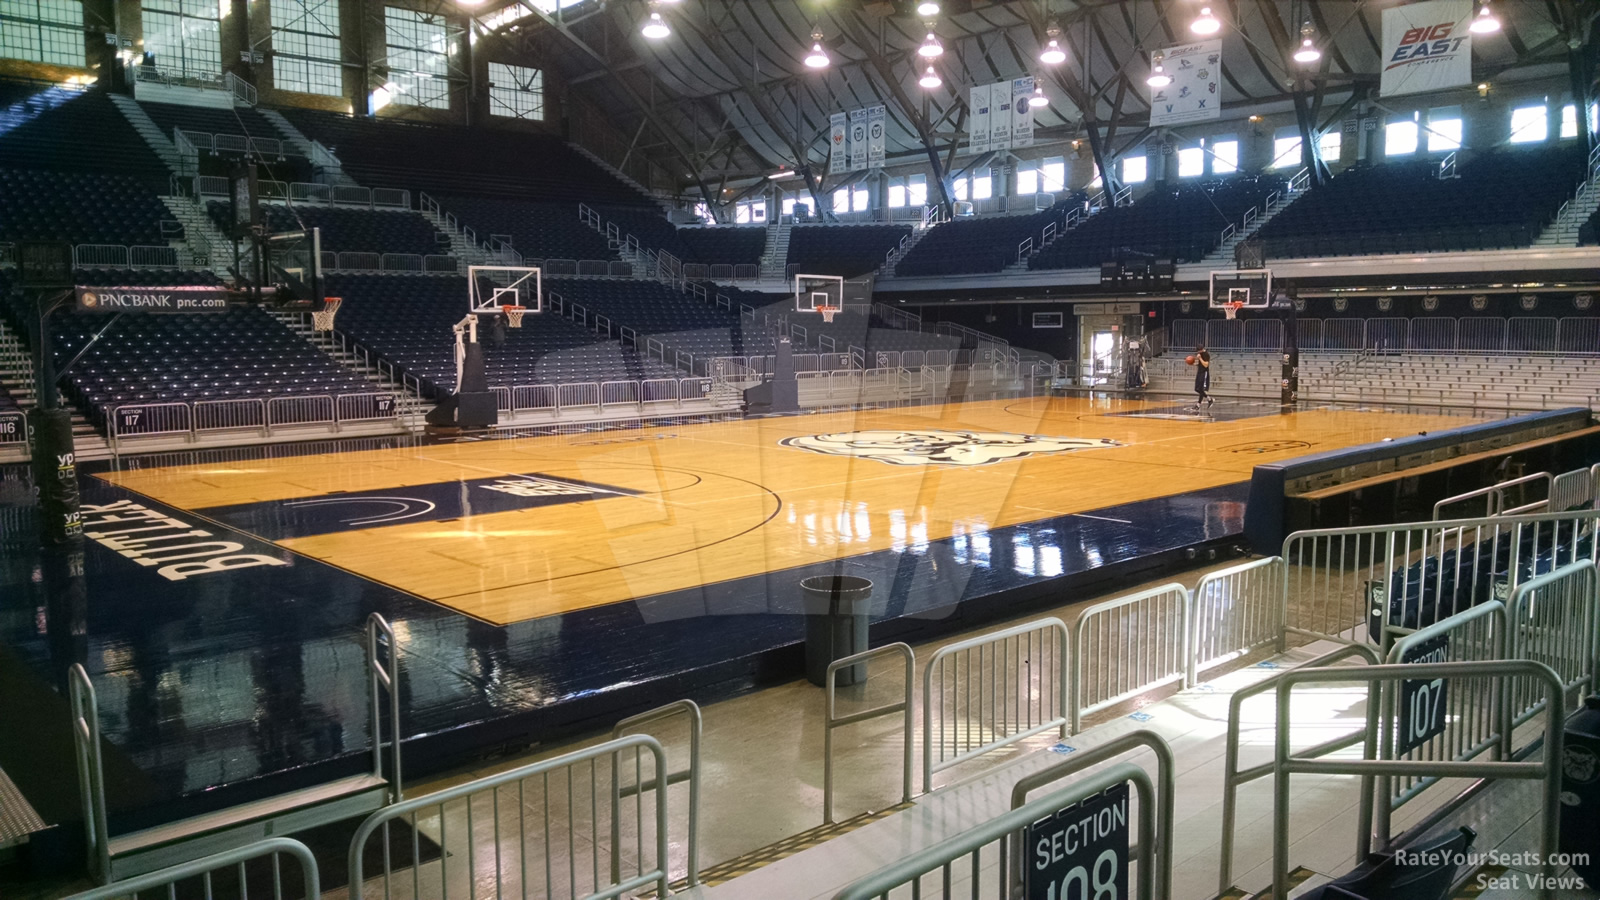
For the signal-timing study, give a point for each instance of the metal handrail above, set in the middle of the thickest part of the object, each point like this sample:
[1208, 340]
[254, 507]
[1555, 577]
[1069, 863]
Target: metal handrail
[1495, 493]
[830, 721]
[1080, 630]
[1233, 777]
[384, 676]
[692, 775]
[91, 773]
[1285, 763]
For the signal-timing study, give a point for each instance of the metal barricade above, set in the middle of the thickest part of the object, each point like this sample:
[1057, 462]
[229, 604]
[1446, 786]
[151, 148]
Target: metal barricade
[582, 394]
[300, 409]
[366, 407]
[502, 397]
[532, 828]
[145, 256]
[1128, 645]
[993, 690]
[1235, 610]
[149, 420]
[690, 710]
[1459, 724]
[1233, 776]
[401, 262]
[1572, 490]
[1553, 620]
[165, 881]
[831, 721]
[658, 390]
[1371, 583]
[94, 255]
[533, 396]
[360, 261]
[1494, 496]
[248, 413]
[1389, 678]
[978, 877]
[615, 393]
[694, 389]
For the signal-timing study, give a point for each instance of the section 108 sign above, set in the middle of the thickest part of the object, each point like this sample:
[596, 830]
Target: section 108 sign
[1081, 852]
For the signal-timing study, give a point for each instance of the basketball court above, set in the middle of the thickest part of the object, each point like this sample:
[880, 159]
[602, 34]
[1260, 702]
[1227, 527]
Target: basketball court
[525, 527]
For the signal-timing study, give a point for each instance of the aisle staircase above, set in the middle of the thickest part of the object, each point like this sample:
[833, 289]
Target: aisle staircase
[153, 136]
[1563, 232]
[775, 258]
[1254, 220]
[329, 169]
[204, 245]
[16, 374]
[410, 405]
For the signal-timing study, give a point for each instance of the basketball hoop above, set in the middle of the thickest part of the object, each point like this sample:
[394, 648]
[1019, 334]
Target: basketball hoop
[514, 314]
[322, 319]
[828, 312]
[1231, 308]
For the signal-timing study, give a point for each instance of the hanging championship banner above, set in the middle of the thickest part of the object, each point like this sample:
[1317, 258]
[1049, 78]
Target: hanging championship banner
[1426, 46]
[838, 150]
[1195, 94]
[858, 140]
[876, 120]
[1021, 112]
[978, 120]
[1000, 116]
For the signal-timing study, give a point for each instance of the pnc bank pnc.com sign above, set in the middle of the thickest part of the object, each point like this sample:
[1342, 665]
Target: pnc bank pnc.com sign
[175, 299]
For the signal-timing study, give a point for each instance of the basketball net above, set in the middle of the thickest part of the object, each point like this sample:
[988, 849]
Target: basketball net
[828, 312]
[514, 315]
[1231, 308]
[322, 320]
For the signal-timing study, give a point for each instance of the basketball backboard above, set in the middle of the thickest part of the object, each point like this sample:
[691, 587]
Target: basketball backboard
[491, 287]
[1253, 287]
[813, 292]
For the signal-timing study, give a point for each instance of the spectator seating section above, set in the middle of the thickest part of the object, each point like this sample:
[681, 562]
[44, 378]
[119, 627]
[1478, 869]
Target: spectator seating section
[973, 246]
[846, 250]
[350, 230]
[448, 159]
[537, 230]
[1182, 223]
[723, 244]
[1501, 199]
[679, 320]
[240, 120]
[407, 320]
[80, 207]
[81, 132]
[243, 352]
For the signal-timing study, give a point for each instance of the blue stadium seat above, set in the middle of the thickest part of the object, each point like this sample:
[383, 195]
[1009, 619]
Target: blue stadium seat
[1182, 223]
[845, 250]
[972, 246]
[355, 230]
[537, 230]
[86, 133]
[80, 207]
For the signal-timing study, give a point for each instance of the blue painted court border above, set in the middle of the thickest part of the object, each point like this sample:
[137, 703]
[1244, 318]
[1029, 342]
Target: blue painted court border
[215, 690]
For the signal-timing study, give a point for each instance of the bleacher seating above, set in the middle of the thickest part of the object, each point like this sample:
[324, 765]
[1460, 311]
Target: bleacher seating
[679, 320]
[350, 230]
[80, 207]
[407, 320]
[844, 250]
[240, 120]
[243, 352]
[444, 159]
[1589, 231]
[82, 132]
[1501, 199]
[974, 246]
[1181, 223]
[730, 245]
[537, 230]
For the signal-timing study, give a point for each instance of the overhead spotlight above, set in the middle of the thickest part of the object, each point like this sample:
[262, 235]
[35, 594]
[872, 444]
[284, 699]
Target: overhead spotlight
[927, 8]
[1158, 73]
[1308, 52]
[931, 48]
[1037, 98]
[930, 79]
[1052, 54]
[1484, 22]
[818, 57]
[1206, 24]
[655, 28]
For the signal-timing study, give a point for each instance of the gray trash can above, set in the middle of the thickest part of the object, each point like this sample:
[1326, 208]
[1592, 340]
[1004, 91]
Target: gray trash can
[1580, 790]
[836, 609]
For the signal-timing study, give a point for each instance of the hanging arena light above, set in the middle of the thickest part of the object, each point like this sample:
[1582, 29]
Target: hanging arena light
[1158, 73]
[1037, 98]
[931, 48]
[927, 8]
[1485, 21]
[818, 57]
[1052, 54]
[655, 28]
[1206, 24]
[930, 79]
[1308, 52]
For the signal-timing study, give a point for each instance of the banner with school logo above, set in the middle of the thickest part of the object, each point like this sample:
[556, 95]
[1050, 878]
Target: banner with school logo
[1426, 47]
[1195, 94]
[1000, 116]
[1021, 111]
[858, 140]
[876, 122]
[978, 119]
[838, 148]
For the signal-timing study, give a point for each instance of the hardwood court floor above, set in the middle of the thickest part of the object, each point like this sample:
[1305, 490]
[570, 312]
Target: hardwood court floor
[674, 507]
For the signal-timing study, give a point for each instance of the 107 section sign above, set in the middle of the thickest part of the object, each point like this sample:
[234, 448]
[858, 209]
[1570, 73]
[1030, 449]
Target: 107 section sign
[1081, 852]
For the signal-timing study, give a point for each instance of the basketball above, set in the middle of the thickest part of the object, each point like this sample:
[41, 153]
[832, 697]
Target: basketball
[1188, 360]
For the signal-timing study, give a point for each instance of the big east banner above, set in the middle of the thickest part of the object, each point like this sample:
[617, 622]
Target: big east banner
[1426, 46]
